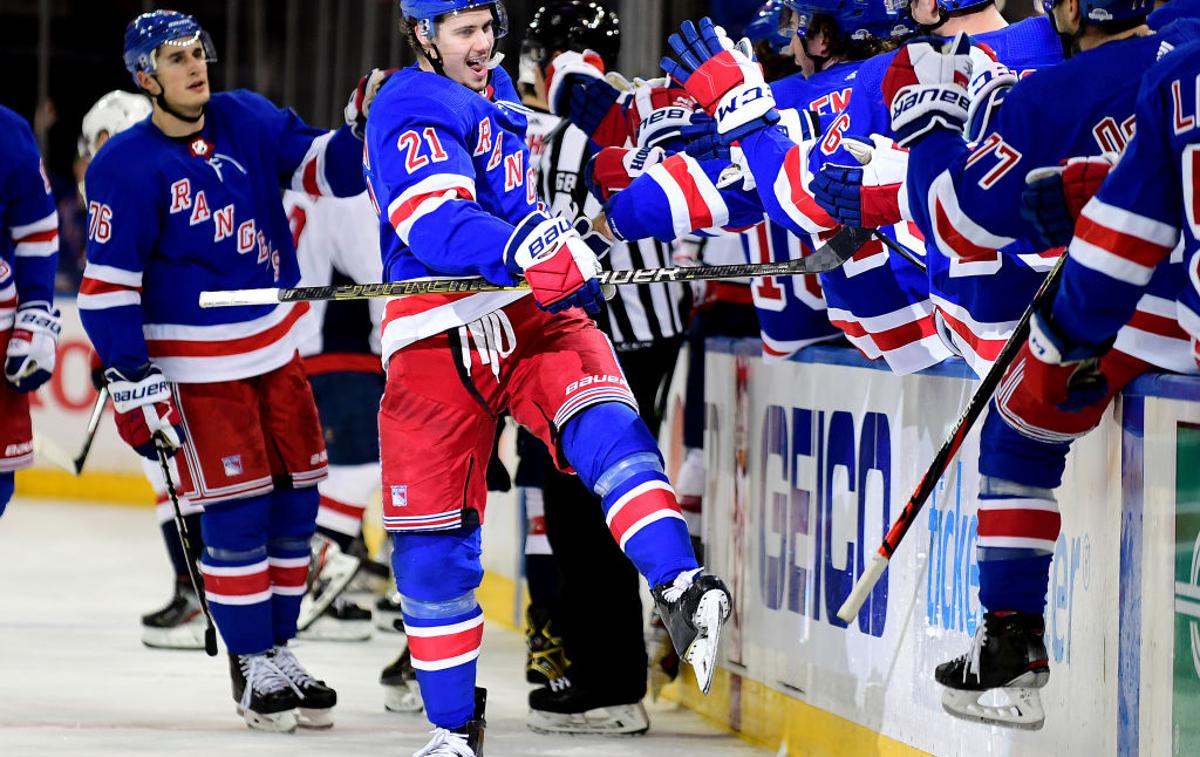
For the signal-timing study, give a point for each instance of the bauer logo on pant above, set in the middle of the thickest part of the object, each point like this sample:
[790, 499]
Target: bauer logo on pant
[232, 465]
[400, 495]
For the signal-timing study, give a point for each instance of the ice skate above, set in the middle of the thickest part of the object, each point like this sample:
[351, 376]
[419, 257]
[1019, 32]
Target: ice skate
[545, 658]
[400, 690]
[387, 614]
[1008, 654]
[565, 708]
[342, 621]
[266, 699]
[315, 708]
[328, 576]
[663, 659]
[179, 625]
[464, 742]
[694, 607]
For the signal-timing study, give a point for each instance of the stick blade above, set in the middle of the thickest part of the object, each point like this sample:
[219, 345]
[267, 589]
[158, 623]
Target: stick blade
[840, 248]
[232, 297]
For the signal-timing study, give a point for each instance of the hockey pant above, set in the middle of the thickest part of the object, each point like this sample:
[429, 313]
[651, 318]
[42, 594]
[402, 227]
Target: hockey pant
[1023, 453]
[255, 565]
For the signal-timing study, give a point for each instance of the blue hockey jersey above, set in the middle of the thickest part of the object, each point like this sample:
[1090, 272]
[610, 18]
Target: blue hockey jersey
[28, 221]
[449, 172]
[169, 218]
[968, 201]
[1145, 216]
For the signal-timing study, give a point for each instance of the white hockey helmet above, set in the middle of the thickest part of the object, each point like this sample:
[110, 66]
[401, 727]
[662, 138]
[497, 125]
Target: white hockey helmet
[112, 114]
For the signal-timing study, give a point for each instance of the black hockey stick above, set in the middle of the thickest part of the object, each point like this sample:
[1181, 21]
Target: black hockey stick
[840, 248]
[210, 629]
[983, 395]
[901, 250]
[90, 435]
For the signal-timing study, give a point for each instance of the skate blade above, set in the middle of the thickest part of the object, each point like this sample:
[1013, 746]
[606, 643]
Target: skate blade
[616, 720]
[1023, 710]
[336, 574]
[711, 613]
[386, 621]
[314, 718]
[187, 636]
[274, 722]
[405, 698]
[328, 629]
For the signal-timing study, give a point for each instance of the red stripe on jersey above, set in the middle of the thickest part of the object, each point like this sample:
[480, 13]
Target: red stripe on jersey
[895, 337]
[964, 248]
[196, 348]
[96, 286]
[1126, 246]
[410, 306]
[39, 236]
[800, 197]
[435, 648]
[409, 206]
[343, 508]
[647, 503]
[699, 214]
[988, 349]
[1157, 324]
[237, 586]
[309, 178]
[1020, 523]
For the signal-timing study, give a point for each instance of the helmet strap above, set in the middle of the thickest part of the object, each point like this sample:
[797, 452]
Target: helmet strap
[161, 100]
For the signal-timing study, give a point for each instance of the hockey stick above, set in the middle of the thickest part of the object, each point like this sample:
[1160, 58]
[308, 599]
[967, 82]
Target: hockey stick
[983, 395]
[840, 248]
[901, 250]
[90, 435]
[210, 629]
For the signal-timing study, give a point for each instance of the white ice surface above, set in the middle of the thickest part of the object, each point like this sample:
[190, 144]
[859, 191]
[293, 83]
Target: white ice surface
[75, 679]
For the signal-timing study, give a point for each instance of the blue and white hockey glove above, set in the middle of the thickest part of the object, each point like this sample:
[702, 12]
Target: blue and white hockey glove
[866, 195]
[990, 82]
[558, 264]
[1065, 374]
[145, 411]
[701, 140]
[32, 346]
[925, 87]
[1054, 196]
[723, 78]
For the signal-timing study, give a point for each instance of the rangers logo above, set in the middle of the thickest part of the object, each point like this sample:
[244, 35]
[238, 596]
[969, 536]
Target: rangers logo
[400, 495]
[232, 465]
[201, 148]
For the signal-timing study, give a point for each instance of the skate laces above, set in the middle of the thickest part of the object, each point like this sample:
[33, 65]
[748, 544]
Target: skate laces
[446, 744]
[263, 675]
[682, 583]
[287, 664]
[973, 655]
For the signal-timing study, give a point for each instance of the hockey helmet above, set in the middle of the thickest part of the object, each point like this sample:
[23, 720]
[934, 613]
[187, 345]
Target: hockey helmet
[1107, 11]
[427, 13]
[573, 25]
[857, 19]
[112, 114]
[149, 31]
[768, 25]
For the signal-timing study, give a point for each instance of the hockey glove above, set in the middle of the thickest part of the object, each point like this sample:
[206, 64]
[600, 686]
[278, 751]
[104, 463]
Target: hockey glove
[925, 87]
[361, 97]
[1066, 375]
[614, 168]
[701, 140]
[723, 78]
[32, 346]
[990, 82]
[558, 265]
[867, 195]
[1054, 196]
[144, 409]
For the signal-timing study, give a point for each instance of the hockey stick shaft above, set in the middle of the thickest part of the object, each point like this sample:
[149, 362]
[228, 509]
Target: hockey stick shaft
[210, 629]
[901, 250]
[941, 461]
[836, 251]
[90, 435]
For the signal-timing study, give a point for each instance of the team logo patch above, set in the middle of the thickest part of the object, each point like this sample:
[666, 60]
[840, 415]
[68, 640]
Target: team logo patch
[201, 147]
[232, 465]
[400, 495]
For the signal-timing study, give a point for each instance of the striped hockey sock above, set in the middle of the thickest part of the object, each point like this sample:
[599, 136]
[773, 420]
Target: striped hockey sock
[1016, 541]
[445, 651]
[644, 518]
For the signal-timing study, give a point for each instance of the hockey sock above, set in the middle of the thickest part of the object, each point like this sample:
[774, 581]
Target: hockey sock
[344, 497]
[236, 580]
[617, 458]
[436, 575]
[293, 518]
[7, 486]
[170, 533]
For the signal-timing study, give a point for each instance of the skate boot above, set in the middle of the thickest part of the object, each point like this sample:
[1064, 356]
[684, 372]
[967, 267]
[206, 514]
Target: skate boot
[1008, 653]
[387, 614]
[461, 742]
[315, 708]
[693, 608]
[545, 659]
[400, 690]
[266, 699]
[329, 574]
[663, 659]
[564, 708]
[179, 625]
[342, 621]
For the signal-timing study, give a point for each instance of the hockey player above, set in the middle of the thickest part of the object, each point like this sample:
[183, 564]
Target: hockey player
[29, 323]
[448, 169]
[186, 201]
[969, 202]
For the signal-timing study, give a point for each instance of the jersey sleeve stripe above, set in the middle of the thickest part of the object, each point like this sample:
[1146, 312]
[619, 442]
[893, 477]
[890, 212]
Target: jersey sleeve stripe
[37, 240]
[426, 196]
[694, 200]
[113, 275]
[957, 236]
[95, 294]
[44, 224]
[792, 194]
[310, 176]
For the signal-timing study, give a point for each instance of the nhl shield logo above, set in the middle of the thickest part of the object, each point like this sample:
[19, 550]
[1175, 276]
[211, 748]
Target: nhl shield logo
[400, 495]
[201, 147]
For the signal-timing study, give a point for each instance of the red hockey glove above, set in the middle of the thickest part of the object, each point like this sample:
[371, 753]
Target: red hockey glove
[1067, 375]
[614, 168]
[1054, 196]
[925, 87]
[145, 411]
[359, 104]
[558, 264]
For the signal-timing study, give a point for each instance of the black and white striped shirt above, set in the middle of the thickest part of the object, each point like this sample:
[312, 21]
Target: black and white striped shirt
[638, 316]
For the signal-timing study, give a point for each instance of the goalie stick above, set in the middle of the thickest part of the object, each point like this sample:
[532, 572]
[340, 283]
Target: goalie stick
[840, 248]
[983, 395]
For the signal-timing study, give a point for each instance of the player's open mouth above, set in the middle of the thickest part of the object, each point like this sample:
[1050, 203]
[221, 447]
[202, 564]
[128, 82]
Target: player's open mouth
[477, 65]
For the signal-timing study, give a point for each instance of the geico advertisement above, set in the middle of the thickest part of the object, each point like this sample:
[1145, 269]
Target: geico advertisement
[806, 465]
